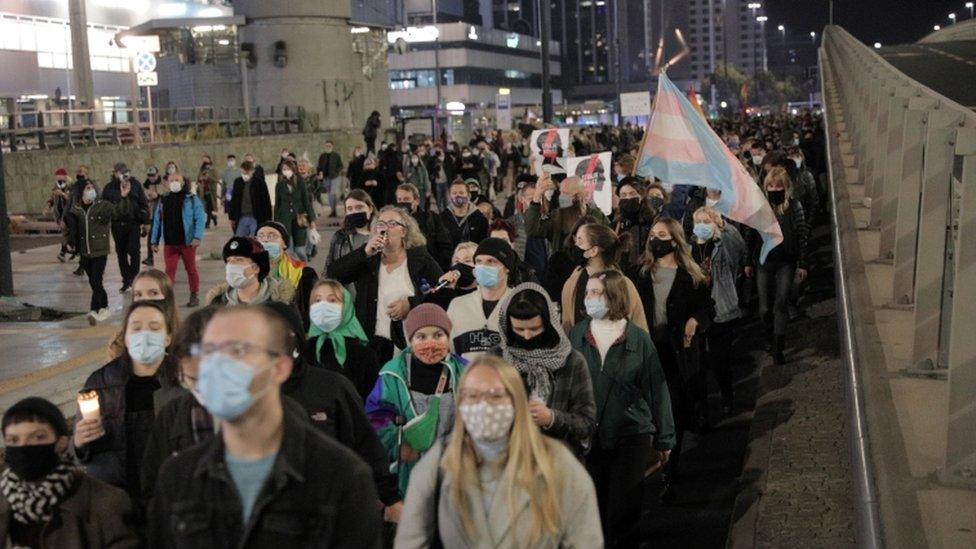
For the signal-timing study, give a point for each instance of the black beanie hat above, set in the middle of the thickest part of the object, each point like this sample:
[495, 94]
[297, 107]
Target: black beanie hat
[278, 227]
[242, 246]
[39, 408]
[499, 249]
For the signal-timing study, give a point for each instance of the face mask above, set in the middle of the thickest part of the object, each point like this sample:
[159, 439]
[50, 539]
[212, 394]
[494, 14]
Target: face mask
[459, 201]
[467, 274]
[357, 220]
[703, 231]
[630, 207]
[231, 163]
[465, 154]
[757, 159]
[146, 347]
[284, 155]
[287, 174]
[414, 161]
[61, 184]
[487, 422]
[89, 196]
[273, 248]
[175, 186]
[171, 169]
[234, 274]
[405, 206]
[661, 248]
[548, 194]
[325, 315]
[798, 162]
[596, 308]
[577, 255]
[776, 197]
[486, 276]
[546, 340]
[711, 202]
[33, 462]
[565, 201]
[430, 352]
[80, 177]
[657, 203]
[225, 385]
[246, 177]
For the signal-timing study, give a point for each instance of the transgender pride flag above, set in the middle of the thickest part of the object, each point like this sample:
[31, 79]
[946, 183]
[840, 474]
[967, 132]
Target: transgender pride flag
[680, 148]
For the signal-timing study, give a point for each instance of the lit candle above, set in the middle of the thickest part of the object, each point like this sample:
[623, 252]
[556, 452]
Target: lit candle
[88, 404]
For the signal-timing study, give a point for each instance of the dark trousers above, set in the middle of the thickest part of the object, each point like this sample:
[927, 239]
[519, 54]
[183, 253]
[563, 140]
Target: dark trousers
[127, 241]
[211, 216]
[617, 475]
[95, 269]
[720, 340]
[773, 284]
[370, 145]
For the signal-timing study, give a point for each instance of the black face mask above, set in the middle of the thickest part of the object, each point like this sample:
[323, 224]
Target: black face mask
[776, 197]
[657, 203]
[32, 462]
[357, 220]
[546, 340]
[630, 207]
[661, 248]
[576, 256]
[405, 206]
[79, 177]
[467, 274]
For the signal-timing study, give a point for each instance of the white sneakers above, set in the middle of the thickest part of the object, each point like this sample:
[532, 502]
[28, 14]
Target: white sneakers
[94, 317]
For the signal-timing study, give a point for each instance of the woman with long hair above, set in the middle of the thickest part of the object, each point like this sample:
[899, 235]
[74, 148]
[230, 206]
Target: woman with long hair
[354, 230]
[676, 301]
[148, 285]
[497, 481]
[785, 264]
[293, 209]
[388, 272]
[634, 215]
[206, 189]
[635, 424]
[595, 249]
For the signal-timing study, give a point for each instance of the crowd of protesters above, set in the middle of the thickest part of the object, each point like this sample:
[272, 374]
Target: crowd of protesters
[453, 375]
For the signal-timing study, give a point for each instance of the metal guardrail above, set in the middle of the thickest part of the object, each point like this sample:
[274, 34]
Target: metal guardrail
[963, 30]
[914, 151]
[76, 128]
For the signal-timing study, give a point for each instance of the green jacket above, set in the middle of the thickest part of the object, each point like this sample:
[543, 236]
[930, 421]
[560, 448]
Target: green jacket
[390, 398]
[629, 388]
[291, 200]
[89, 226]
[552, 226]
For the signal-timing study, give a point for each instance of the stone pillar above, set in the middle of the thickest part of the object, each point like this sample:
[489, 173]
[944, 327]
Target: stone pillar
[323, 74]
[84, 88]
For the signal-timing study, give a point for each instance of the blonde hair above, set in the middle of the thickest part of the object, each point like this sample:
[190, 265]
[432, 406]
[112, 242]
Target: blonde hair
[779, 175]
[414, 237]
[528, 464]
[712, 214]
[682, 253]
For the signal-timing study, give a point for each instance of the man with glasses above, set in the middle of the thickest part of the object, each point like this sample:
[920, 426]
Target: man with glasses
[268, 479]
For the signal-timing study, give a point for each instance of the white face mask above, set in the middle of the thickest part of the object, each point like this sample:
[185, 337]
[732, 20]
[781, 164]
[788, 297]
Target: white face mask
[711, 202]
[757, 159]
[798, 162]
[487, 422]
[234, 274]
[231, 163]
[171, 170]
[175, 186]
[286, 174]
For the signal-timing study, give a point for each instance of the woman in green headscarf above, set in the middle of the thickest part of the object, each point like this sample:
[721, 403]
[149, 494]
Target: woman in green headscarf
[336, 340]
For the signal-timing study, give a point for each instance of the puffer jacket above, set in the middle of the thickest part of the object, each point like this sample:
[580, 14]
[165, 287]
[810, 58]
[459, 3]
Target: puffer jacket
[89, 226]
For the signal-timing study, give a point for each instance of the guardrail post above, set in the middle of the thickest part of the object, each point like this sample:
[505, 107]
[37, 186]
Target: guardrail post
[909, 190]
[880, 150]
[960, 458]
[932, 232]
[888, 204]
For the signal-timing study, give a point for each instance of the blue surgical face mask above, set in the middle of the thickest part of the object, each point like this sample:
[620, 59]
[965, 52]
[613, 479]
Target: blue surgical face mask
[486, 276]
[703, 231]
[273, 248]
[325, 315]
[225, 386]
[146, 347]
[596, 308]
[89, 196]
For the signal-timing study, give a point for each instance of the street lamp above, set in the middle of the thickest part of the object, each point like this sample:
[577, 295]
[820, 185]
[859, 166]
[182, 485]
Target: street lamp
[877, 45]
[813, 37]
[952, 17]
[970, 6]
[936, 27]
[782, 31]
[762, 36]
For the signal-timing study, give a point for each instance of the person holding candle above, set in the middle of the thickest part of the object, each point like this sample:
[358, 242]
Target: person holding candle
[111, 443]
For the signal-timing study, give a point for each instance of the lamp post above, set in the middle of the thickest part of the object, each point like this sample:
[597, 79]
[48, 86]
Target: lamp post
[952, 17]
[970, 6]
[437, 73]
[813, 37]
[937, 27]
[782, 32]
[755, 63]
[762, 36]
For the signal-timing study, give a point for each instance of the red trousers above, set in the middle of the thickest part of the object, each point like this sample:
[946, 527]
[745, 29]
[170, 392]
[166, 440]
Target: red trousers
[172, 255]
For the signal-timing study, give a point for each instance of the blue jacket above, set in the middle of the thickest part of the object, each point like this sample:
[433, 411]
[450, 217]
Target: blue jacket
[193, 218]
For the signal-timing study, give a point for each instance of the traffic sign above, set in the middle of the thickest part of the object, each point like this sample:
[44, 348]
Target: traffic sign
[145, 62]
[147, 78]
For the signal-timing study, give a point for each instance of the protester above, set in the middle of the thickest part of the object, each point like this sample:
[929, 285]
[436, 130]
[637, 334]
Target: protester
[388, 272]
[130, 391]
[495, 481]
[372, 180]
[88, 224]
[336, 339]
[354, 231]
[504, 230]
[293, 209]
[155, 187]
[247, 267]
[474, 317]
[463, 221]
[233, 490]
[274, 238]
[634, 215]
[57, 205]
[438, 240]
[46, 498]
[126, 229]
[556, 377]
[209, 193]
[149, 285]
[573, 204]
[370, 131]
[250, 203]
[634, 421]
[329, 176]
[412, 403]
[178, 222]
[227, 177]
[417, 176]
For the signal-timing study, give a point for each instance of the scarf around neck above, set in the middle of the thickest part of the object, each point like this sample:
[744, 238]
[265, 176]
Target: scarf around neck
[35, 502]
[349, 326]
[536, 365]
[264, 294]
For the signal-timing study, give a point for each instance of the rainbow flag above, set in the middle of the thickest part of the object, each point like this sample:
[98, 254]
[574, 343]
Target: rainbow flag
[680, 148]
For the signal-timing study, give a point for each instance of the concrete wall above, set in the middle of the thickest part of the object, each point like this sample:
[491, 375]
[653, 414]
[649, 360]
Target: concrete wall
[29, 175]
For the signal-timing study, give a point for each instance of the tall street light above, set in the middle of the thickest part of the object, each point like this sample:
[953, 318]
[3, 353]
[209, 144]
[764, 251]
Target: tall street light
[813, 37]
[937, 27]
[952, 17]
[782, 32]
[762, 36]
[755, 64]
[970, 6]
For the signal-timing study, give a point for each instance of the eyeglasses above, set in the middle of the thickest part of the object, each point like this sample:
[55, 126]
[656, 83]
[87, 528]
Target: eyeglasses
[234, 349]
[492, 396]
[383, 225]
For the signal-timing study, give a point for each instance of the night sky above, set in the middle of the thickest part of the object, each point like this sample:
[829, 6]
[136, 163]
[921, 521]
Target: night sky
[886, 21]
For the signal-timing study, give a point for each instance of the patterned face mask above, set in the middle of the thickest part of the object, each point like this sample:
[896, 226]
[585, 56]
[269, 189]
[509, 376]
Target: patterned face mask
[487, 422]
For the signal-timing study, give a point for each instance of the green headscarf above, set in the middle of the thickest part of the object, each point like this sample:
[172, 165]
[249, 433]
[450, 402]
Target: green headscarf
[348, 327]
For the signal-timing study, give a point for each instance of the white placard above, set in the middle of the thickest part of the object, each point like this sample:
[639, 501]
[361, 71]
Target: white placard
[503, 112]
[635, 104]
[550, 143]
[595, 171]
[557, 168]
[147, 78]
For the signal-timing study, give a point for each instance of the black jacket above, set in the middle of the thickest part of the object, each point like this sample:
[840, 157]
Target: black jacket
[260, 199]
[439, 244]
[139, 214]
[796, 233]
[318, 494]
[473, 228]
[361, 368]
[365, 272]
